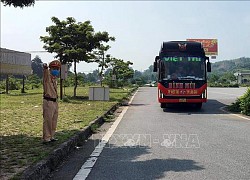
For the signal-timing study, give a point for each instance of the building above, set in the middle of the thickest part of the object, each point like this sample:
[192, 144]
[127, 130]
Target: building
[242, 77]
[14, 62]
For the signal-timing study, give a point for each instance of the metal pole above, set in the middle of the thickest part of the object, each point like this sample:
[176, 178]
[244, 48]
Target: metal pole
[22, 91]
[7, 84]
[61, 86]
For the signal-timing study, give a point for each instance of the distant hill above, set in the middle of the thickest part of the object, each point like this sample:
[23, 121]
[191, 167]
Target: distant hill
[240, 64]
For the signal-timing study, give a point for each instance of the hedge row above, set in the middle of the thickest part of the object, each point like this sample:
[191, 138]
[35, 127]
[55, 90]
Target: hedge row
[222, 85]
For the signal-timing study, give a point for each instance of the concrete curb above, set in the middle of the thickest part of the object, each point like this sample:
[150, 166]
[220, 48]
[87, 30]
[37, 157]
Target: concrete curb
[43, 168]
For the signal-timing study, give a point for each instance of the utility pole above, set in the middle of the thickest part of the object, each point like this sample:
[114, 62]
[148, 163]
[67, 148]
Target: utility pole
[61, 84]
[22, 91]
[7, 84]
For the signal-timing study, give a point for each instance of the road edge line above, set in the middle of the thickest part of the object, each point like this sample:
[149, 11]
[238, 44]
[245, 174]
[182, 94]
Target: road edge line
[237, 115]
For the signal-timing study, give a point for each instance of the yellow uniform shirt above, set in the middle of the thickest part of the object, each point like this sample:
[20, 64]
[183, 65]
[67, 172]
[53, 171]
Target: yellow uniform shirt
[49, 85]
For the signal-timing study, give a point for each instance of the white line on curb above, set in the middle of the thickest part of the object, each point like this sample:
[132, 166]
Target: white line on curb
[89, 164]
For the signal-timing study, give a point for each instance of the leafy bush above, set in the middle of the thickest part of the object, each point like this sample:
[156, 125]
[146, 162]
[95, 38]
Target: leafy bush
[14, 84]
[235, 107]
[2, 85]
[242, 104]
[245, 103]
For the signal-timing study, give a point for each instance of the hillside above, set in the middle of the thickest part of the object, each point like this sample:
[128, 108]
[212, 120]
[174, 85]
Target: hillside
[240, 64]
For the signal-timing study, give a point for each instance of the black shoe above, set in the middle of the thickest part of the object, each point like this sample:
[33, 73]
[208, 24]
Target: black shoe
[53, 139]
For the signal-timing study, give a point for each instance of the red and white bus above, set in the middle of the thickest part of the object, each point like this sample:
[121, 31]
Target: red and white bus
[182, 68]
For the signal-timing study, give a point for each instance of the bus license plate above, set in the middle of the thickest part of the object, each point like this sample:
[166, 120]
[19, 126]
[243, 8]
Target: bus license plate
[183, 100]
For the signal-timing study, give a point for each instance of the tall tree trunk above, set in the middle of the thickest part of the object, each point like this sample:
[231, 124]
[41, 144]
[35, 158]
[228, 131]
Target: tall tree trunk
[75, 79]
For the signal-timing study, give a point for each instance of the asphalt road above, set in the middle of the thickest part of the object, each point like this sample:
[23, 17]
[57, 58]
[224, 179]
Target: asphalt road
[173, 143]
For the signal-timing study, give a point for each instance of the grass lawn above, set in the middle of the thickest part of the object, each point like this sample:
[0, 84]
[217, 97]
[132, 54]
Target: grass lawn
[21, 124]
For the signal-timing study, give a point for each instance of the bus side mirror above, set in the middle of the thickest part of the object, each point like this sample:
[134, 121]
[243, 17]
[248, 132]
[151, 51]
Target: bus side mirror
[155, 63]
[155, 67]
[208, 67]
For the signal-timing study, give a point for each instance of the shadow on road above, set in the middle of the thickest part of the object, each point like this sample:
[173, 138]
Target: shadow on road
[128, 163]
[211, 107]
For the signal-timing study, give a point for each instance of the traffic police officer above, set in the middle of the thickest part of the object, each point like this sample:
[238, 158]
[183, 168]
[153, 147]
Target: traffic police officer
[50, 105]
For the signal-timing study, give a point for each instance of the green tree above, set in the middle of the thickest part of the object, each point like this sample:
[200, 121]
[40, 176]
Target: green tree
[73, 42]
[137, 74]
[120, 73]
[36, 65]
[18, 3]
[14, 83]
[80, 79]
[92, 77]
[149, 75]
[69, 82]
[138, 78]
[102, 59]
[228, 76]
[212, 77]
[34, 81]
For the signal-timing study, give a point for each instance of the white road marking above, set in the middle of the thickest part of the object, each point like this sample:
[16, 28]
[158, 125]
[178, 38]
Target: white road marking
[237, 115]
[89, 164]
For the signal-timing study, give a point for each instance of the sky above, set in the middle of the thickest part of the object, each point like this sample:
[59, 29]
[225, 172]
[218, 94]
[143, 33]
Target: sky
[139, 27]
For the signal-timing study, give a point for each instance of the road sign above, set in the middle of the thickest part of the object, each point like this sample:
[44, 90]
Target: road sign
[64, 71]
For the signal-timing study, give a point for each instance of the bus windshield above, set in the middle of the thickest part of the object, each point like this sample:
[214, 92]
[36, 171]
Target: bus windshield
[182, 67]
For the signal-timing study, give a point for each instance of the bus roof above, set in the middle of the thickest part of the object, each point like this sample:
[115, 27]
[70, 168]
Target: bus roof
[182, 46]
